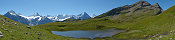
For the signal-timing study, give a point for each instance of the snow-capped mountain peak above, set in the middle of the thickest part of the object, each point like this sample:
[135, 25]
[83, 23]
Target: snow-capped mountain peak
[83, 14]
[12, 15]
[37, 19]
[93, 16]
[64, 15]
[36, 14]
[12, 12]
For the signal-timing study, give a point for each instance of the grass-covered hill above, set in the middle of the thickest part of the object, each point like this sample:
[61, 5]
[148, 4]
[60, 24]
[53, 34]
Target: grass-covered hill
[127, 14]
[12, 30]
[151, 27]
[142, 21]
[144, 24]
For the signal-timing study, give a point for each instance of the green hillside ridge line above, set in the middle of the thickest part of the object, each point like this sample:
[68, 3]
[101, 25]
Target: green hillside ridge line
[160, 27]
[12, 30]
[142, 21]
[136, 13]
[142, 25]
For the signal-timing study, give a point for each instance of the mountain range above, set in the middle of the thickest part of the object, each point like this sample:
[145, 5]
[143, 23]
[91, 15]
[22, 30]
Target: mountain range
[37, 19]
[141, 20]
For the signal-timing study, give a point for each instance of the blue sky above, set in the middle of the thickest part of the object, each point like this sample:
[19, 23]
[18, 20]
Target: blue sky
[70, 7]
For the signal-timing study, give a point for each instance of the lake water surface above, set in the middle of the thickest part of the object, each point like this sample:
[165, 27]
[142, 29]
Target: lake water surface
[88, 34]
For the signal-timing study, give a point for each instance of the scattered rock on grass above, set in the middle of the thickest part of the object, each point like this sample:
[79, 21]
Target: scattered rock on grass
[39, 34]
[1, 34]
[26, 33]
[29, 27]
[15, 23]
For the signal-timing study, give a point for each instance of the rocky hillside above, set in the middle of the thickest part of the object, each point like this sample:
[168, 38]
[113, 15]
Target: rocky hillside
[141, 8]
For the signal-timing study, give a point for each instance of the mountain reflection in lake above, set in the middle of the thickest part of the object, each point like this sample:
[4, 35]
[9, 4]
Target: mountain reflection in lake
[88, 34]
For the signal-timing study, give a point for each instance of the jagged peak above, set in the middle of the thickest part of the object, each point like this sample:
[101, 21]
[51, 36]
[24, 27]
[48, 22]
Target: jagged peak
[64, 15]
[84, 13]
[19, 14]
[157, 5]
[94, 15]
[48, 15]
[11, 11]
[36, 14]
[142, 3]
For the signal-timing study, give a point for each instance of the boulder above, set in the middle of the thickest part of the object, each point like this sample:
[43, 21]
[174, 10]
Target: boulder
[1, 34]
[29, 27]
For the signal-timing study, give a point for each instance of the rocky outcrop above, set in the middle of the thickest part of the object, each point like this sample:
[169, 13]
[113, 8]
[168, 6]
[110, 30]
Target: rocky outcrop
[141, 4]
[1, 34]
[134, 9]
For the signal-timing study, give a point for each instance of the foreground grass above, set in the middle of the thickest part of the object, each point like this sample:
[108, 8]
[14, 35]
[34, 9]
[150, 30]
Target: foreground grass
[12, 30]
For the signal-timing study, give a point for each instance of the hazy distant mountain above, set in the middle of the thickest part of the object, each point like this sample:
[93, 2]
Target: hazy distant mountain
[37, 19]
[93, 15]
[83, 15]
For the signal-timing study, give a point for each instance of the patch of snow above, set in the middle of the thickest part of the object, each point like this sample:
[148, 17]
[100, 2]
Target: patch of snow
[63, 19]
[13, 14]
[39, 18]
[31, 17]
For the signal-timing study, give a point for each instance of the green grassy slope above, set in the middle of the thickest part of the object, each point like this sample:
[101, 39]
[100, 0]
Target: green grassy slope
[150, 27]
[12, 30]
[158, 26]
[140, 23]
[128, 14]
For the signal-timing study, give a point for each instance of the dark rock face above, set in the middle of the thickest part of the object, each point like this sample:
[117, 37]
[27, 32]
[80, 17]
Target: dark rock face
[72, 17]
[157, 5]
[141, 6]
[44, 20]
